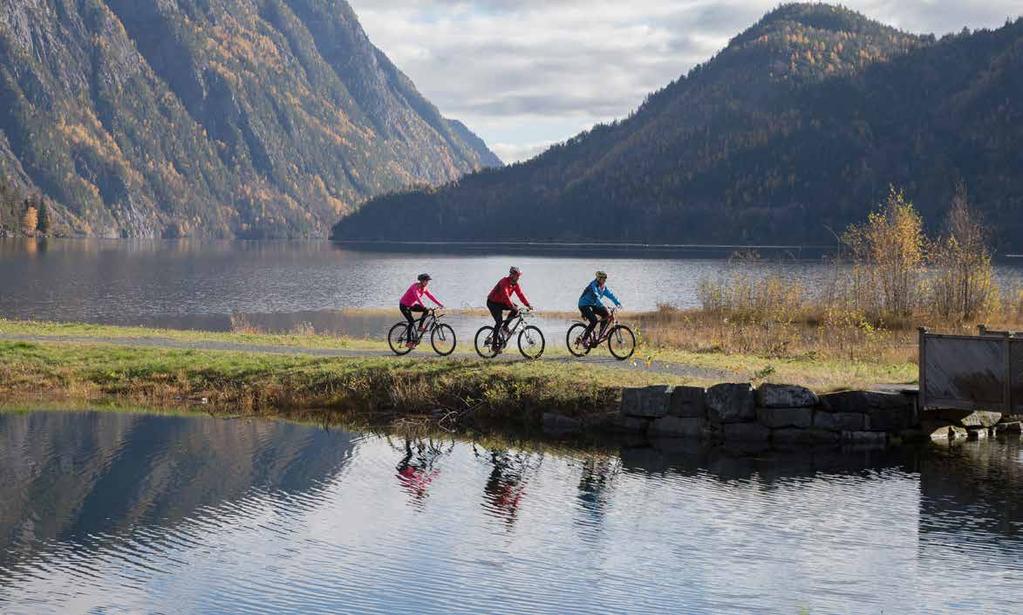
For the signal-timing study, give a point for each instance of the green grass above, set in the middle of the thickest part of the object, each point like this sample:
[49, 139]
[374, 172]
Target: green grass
[301, 341]
[373, 390]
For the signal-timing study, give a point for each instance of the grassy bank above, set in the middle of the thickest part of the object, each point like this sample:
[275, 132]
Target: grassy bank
[371, 390]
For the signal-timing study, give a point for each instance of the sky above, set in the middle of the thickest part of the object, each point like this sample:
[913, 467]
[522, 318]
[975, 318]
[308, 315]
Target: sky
[523, 74]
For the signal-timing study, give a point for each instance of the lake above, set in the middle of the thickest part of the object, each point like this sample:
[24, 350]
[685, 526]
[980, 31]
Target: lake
[133, 512]
[197, 284]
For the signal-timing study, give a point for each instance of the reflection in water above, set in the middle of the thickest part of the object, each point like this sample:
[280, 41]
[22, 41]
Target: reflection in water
[506, 485]
[595, 485]
[417, 469]
[137, 513]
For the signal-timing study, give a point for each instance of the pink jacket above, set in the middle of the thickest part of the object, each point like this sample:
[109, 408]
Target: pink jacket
[414, 296]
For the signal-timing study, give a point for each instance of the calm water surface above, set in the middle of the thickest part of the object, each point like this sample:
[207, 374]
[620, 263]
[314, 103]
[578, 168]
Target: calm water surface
[199, 284]
[108, 512]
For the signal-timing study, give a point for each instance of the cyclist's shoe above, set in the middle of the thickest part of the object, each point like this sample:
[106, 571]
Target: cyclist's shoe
[410, 344]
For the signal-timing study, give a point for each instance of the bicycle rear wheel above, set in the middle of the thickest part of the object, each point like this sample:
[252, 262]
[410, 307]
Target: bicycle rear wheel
[397, 339]
[621, 342]
[442, 338]
[484, 343]
[574, 339]
[531, 342]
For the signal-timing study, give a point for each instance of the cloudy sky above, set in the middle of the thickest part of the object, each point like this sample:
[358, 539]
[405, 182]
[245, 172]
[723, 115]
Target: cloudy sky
[527, 73]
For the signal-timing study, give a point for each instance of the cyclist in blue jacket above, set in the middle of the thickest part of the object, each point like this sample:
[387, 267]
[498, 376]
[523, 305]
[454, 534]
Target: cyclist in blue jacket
[591, 303]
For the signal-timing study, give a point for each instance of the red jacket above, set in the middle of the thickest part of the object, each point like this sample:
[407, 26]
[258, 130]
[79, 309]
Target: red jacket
[503, 291]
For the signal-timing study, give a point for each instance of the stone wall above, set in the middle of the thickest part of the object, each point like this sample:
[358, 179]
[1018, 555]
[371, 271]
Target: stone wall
[780, 415]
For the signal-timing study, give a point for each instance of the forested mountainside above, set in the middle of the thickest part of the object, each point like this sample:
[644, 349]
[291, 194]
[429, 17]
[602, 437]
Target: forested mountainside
[247, 118]
[794, 130]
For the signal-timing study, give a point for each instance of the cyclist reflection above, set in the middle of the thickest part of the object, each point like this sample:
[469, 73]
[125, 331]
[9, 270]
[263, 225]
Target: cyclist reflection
[595, 486]
[506, 485]
[416, 471]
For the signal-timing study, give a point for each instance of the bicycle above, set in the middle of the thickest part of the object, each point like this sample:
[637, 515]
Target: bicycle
[531, 341]
[442, 336]
[621, 341]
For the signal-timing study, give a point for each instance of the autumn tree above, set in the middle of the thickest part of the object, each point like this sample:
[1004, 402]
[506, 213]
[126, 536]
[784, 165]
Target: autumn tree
[888, 251]
[963, 286]
[29, 219]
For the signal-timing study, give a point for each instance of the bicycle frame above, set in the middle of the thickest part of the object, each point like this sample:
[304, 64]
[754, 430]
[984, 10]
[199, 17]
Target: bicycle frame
[607, 327]
[518, 322]
[429, 323]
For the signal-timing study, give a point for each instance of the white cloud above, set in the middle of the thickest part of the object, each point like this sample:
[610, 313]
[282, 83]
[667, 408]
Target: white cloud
[523, 73]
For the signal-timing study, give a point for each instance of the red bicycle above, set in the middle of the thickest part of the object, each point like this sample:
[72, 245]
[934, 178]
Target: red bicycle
[621, 341]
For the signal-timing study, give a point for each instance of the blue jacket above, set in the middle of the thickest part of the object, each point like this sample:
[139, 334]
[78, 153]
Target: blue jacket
[593, 294]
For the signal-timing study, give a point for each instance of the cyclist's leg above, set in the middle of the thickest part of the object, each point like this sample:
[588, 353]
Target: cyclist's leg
[512, 313]
[419, 308]
[407, 313]
[497, 313]
[589, 314]
[605, 317]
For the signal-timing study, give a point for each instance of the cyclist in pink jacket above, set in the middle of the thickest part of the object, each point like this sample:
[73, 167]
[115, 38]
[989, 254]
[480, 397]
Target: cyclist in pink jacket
[412, 301]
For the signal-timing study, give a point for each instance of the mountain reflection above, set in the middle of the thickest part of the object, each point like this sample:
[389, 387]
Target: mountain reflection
[69, 477]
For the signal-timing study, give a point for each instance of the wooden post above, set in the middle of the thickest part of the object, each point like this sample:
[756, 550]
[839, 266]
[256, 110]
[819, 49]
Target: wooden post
[922, 378]
[1008, 375]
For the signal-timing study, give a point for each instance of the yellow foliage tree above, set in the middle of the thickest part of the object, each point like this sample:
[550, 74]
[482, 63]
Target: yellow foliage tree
[30, 220]
[888, 252]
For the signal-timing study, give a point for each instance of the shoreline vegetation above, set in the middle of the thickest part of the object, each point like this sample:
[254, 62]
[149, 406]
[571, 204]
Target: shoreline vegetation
[855, 330]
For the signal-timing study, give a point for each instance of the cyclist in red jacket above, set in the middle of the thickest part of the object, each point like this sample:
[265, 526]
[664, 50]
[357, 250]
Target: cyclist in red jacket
[500, 300]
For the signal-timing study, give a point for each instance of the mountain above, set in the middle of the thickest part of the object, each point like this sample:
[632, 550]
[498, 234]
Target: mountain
[248, 118]
[794, 130]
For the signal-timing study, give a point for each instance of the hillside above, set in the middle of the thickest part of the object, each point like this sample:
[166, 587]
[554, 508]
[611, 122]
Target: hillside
[796, 128]
[246, 118]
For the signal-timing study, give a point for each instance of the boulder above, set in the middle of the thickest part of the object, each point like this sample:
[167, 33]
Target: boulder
[944, 432]
[648, 402]
[559, 424]
[629, 424]
[688, 402]
[731, 403]
[803, 436]
[865, 401]
[1009, 427]
[967, 418]
[980, 433]
[840, 421]
[677, 427]
[785, 396]
[776, 418]
[745, 432]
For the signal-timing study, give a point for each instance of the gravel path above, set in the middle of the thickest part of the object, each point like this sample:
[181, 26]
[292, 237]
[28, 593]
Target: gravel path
[675, 369]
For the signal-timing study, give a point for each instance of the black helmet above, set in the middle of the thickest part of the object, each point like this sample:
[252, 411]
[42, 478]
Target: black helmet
[424, 277]
[514, 271]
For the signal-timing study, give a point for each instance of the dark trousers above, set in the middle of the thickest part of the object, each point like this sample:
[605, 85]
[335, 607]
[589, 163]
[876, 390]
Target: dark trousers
[590, 313]
[406, 311]
[497, 310]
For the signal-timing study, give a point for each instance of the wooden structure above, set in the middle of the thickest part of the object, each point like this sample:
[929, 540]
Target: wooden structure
[972, 372]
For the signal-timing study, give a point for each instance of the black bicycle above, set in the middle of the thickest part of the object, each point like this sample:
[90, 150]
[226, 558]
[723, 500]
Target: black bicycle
[442, 336]
[531, 340]
[621, 341]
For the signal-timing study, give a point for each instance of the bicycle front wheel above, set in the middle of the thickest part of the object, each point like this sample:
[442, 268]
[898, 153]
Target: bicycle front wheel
[442, 338]
[397, 339]
[484, 343]
[621, 342]
[575, 341]
[531, 342]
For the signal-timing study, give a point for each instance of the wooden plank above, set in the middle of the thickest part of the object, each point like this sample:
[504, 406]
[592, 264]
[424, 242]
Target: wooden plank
[971, 370]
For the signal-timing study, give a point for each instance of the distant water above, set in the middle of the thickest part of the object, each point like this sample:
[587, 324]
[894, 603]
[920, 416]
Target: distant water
[143, 513]
[191, 284]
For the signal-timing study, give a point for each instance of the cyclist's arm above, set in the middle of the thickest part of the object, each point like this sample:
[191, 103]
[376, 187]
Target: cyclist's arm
[432, 298]
[610, 295]
[522, 296]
